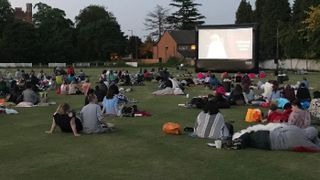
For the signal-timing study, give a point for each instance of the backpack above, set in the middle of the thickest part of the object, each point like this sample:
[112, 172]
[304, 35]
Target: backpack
[172, 128]
[128, 111]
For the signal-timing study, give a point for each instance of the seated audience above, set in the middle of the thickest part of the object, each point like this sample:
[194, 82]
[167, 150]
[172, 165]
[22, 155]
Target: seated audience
[91, 116]
[29, 95]
[303, 93]
[299, 117]
[66, 120]
[314, 108]
[210, 123]
[110, 102]
[288, 93]
[276, 116]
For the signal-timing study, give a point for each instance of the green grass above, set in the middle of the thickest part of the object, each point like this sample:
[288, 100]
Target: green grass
[139, 149]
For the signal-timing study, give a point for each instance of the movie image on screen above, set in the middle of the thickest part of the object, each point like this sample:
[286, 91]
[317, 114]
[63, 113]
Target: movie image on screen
[225, 43]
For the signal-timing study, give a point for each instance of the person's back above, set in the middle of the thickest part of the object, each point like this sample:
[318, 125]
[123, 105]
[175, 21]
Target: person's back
[303, 93]
[91, 115]
[211, 126]
[110, 106]
[30, 96]
[210, 123]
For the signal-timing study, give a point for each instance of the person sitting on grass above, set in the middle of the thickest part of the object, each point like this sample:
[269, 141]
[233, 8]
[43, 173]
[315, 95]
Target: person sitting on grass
[91, 116]
[299, 117]
[276, 116]
[110, 102]
[29, 95]
[210, 123]
[314, 108]
[66, 120]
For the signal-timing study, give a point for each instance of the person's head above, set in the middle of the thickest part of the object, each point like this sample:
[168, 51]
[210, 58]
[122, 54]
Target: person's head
[63, 108]
[304, 78]
[113, 90]
[91, 91]
[296, 105]
[275, 85]
[238, 88]
[287, 106]
[211, 108]
[316, 94]
[28, 85]
[273, 106]
[302, 85]
[92, 98]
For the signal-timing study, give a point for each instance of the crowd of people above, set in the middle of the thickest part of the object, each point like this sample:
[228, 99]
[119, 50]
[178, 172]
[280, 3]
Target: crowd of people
[292, 110]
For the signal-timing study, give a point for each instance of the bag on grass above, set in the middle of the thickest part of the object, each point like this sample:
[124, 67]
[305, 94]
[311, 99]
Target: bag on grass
[253, 115]
[172, 128]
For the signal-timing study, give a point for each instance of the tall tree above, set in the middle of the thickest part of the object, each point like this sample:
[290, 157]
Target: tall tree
[312, 32]
[299, 9]
[19, 43]
[259, 10]
[6, 15]
[55, 33]
[98, 34]
[187, 16]
[244, 13]
[276, 16]
[157, 22]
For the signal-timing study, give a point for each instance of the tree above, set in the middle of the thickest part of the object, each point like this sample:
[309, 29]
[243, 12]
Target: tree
[187, 16]
[6, 15]
[147, 47]
[259, 10]
[276, 16]
[299, 10]
[19, 43]
[157, 22]
[98, 34]
[312, 32]
[244, 13]
[55, 33]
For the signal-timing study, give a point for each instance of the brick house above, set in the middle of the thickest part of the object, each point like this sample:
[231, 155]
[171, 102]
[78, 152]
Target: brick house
[24, 16]
[179, 44]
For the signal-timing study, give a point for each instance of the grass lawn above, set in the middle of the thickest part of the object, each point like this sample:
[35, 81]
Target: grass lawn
[139, 149]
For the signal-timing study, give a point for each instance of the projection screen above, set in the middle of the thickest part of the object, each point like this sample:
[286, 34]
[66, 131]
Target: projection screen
[226, 48]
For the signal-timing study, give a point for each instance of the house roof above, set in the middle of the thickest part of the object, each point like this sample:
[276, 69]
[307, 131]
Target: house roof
[184, 36]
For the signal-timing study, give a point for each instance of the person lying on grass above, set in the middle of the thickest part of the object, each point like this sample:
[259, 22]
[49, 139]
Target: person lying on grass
[66, 120]
[279, 136]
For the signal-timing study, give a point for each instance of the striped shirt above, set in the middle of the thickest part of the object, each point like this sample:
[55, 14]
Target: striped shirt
[211, 126]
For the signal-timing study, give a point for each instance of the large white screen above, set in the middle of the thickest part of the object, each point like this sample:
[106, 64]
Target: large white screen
[225, 43]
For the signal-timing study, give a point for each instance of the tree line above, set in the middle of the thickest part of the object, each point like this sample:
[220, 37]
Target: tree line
[96, 35]
[289, 31]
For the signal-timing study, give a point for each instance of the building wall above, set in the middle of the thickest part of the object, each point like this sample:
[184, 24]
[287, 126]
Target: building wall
[165, 48]
[24, 16]
[292, 64]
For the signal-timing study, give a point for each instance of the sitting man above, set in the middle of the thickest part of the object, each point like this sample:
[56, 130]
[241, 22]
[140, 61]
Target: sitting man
[29, 95]
[91, 116]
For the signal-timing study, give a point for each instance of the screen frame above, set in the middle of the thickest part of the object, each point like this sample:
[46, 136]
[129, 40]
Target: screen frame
[220, 65]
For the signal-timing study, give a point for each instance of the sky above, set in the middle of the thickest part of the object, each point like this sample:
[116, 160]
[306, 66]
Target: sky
[131, 14]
